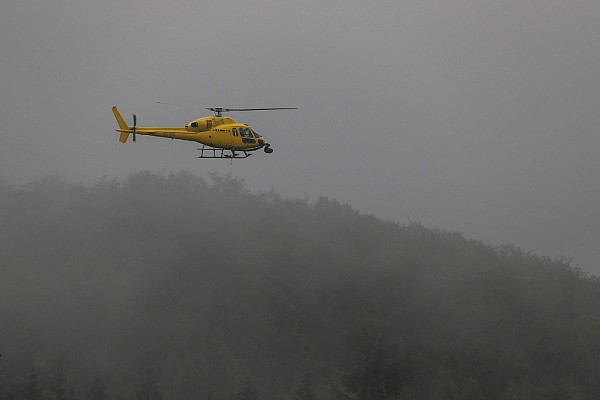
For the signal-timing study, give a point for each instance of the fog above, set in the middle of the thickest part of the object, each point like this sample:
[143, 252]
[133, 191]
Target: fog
[169, 286]
[474, 116]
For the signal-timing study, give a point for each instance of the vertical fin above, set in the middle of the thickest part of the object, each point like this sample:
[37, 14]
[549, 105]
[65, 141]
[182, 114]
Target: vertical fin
[122, 125]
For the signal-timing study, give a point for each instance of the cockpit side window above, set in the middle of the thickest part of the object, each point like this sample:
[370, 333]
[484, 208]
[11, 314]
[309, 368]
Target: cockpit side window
[234, 131]
[245, 132]
[194, 124]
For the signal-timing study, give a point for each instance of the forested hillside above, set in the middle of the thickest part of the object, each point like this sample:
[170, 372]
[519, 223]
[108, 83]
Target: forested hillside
[171, 287]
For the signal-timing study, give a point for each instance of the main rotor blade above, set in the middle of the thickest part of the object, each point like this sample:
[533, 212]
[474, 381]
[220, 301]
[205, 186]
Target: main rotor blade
[223, 109]
[178, 105]
[260, 109]
[170, 104]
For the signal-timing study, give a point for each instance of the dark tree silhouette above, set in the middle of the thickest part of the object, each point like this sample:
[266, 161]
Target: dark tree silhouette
[305, 390]
[379, 379]
[32, 390]
[149, 389]
[98, 390]
[557, 394]
[249, 392]
[59, 384]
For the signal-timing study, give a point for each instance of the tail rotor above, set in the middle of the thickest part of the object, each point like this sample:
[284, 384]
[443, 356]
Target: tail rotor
[134, 126]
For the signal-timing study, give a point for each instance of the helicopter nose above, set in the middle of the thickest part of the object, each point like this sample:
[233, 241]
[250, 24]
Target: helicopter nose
[261, 142]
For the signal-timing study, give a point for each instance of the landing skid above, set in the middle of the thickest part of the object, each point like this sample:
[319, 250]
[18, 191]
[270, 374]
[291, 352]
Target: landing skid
[222, 153]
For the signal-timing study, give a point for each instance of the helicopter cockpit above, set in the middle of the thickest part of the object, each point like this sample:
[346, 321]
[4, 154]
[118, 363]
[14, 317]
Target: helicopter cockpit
[245, 132]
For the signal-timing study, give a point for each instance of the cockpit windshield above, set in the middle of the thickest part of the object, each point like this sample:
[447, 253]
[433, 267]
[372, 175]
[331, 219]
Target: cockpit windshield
[256, 134]
[247, 132]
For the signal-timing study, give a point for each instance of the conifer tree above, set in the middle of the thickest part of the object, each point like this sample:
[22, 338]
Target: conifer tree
[471, 390]
[32, 390]
[249, 392]
[305, 390]
[58, 384]
[98, 390]
[557, 394]
[378, 373]
[149, 389]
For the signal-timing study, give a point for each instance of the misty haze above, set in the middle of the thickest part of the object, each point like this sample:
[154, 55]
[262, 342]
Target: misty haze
[427, 226]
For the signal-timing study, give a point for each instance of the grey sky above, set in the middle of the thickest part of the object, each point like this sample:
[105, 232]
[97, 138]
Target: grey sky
[476, 116]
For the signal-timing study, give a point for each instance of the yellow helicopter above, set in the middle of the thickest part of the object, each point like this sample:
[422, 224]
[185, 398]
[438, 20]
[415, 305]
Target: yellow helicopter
[221, 137]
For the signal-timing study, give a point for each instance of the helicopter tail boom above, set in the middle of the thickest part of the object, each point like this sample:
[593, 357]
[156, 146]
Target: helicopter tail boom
[123, 127]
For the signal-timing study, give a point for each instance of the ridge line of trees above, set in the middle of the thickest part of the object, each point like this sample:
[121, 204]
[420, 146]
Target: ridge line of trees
[168, 286]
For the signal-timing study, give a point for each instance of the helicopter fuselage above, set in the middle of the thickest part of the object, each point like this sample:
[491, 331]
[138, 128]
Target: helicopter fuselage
[215, 131]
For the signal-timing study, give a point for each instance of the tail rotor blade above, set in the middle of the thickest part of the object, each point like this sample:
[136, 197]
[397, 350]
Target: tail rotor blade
[134, 126]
